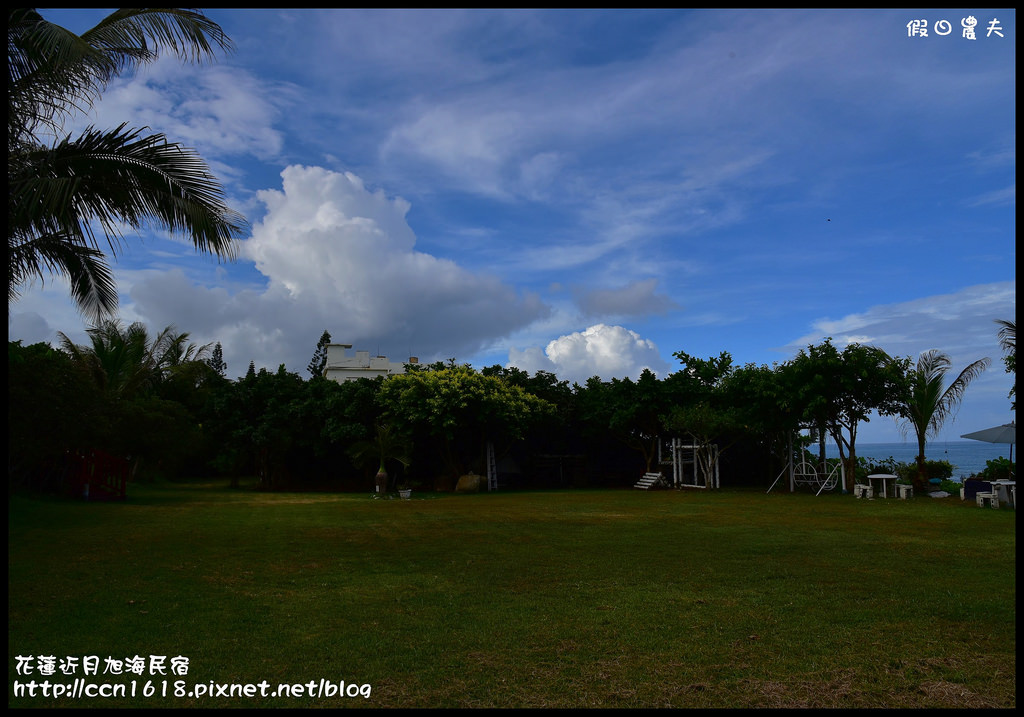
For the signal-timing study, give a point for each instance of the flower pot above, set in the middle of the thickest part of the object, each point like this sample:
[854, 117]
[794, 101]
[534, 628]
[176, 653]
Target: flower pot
[405, 493]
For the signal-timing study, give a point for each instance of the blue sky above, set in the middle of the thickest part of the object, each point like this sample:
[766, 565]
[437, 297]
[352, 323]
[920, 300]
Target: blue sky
[586, 192]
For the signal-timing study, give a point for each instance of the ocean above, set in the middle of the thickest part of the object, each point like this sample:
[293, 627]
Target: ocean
[967, 457]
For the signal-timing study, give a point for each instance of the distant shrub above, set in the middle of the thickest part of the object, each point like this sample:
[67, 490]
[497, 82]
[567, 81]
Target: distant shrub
[951, 486]
[905, 472]
[938, 469]
[997, 469]
[886, 465]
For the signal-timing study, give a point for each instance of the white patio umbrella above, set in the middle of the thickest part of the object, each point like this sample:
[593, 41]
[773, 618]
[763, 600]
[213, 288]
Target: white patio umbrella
[1006, 433]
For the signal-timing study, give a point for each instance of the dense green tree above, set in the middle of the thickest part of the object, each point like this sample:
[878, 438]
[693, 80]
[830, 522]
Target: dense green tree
[459, 410]
[769, 404]
[59, 189]
[159, 437]
[838, 390]
[261, 428]
[290, 433]
[697, 375]
[928, 402]
[53, 409]
[594, 401]
[543, 384]
[328, 417]
[704, 409]
[191, 384]
[350, 410]
[711, 426]
[273, 431]
[630, 411]
[768, 413]
[555, 431]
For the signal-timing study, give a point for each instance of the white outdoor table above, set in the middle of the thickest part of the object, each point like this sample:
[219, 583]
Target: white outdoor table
[884, 479]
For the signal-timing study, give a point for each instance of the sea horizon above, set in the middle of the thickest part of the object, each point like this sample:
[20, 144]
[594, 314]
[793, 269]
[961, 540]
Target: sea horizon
[968, 457]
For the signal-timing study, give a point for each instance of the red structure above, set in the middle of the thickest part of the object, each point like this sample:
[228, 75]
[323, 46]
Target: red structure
[96, 475]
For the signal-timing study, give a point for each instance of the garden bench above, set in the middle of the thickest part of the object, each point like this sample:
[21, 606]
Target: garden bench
[992, 499]
[863, 491]
[904, 491]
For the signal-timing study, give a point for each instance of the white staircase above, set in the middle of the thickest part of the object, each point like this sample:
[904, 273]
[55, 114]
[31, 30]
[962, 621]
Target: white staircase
[650, 480]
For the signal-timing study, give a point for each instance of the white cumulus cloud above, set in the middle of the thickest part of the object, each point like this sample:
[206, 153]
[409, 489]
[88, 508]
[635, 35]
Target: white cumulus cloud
[600, 350]
[340, 256]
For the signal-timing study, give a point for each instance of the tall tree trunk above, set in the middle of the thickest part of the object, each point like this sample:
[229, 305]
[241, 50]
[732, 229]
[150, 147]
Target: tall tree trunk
[922, 477]
[849, 461]
[822, 464]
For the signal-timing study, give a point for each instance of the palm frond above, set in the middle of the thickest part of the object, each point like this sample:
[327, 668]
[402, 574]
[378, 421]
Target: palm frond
[122, 359]
[53, 73]
[952, 396]
[930, 403]
[119, 177]
[188, 33]
[92, 282]
[1007, 335]
[112, 179]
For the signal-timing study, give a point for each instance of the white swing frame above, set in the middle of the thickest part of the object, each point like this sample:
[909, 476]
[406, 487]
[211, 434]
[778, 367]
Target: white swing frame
[804, 473]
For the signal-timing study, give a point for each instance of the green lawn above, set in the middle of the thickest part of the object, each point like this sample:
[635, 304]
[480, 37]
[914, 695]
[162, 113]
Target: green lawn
[540, 599]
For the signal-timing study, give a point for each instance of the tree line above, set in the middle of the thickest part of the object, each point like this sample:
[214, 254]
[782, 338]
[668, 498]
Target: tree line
[167, 406]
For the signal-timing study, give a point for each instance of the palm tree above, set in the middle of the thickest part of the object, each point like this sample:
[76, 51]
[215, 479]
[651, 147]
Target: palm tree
[928, 404]
[171, 350]
[386, 444]
[124, 362]
[1008, 343]
[59, 189]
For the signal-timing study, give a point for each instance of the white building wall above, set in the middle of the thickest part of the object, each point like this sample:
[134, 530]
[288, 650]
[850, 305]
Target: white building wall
[341, 367]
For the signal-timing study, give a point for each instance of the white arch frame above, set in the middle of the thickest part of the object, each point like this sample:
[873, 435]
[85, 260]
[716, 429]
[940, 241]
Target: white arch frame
[805, 473]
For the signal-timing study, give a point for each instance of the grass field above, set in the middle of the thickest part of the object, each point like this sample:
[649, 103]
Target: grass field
[537, 599]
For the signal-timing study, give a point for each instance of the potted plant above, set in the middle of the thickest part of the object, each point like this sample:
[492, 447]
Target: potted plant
[386, 444]
[405, 488]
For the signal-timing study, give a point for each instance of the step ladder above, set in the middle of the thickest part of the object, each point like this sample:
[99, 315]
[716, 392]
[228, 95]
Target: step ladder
[650, 480]
[492, 468]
